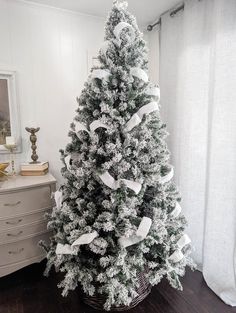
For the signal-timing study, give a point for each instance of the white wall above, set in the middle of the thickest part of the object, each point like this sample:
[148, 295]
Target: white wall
[48, 48]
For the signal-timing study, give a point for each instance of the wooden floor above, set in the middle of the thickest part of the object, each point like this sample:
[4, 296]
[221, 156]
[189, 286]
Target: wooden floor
[27, 291]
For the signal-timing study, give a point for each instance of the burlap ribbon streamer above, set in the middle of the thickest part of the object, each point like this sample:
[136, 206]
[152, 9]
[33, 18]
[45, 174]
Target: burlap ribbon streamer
[177, 210]
[177, 256]
[109, 181]
[168, 177]
[58, 199]
[140, 234]
[137, 117]
[84, 239]
[93, 126]
[101, 74]
[139, 73]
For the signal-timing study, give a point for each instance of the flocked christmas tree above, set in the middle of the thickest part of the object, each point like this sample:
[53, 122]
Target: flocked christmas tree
[118, 214]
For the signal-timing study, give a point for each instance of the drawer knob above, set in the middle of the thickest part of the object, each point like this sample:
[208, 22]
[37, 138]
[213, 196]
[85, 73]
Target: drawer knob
[12, 204]
[16, 251]
[15, 235]
[14, 222]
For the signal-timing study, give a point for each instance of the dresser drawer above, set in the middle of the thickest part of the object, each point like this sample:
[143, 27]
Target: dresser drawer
[24, 201]
[22, 220]
[22, 250]
[17, 233]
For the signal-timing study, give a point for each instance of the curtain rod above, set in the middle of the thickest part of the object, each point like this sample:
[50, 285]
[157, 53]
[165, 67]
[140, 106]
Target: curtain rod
[172, 13]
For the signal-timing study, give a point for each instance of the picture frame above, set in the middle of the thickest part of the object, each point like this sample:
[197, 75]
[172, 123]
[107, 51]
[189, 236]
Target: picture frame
[9, 110]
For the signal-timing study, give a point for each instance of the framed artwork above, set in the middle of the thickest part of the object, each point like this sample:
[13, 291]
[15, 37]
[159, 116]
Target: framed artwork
[9, 112]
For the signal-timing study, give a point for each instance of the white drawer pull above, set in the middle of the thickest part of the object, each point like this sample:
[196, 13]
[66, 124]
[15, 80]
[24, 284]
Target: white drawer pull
[16, 251]
[15, 235]
[14, 222]
[12, 204]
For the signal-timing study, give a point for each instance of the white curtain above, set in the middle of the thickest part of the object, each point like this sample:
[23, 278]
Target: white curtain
[198, 98]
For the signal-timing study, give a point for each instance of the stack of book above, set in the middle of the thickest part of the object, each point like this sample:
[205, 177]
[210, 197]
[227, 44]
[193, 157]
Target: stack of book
[34, 169]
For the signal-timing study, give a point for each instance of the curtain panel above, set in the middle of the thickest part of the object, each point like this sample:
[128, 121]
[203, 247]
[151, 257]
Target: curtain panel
[198, 86]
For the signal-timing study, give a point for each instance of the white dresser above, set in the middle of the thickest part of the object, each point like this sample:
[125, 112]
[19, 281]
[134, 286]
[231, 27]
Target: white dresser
[23, 203]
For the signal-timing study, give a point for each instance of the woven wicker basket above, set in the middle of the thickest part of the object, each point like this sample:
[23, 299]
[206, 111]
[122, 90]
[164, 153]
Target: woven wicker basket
[97, 301]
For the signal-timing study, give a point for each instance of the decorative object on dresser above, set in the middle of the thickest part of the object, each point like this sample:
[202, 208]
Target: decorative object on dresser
[23, 204]
[34, 169]
[33, 139]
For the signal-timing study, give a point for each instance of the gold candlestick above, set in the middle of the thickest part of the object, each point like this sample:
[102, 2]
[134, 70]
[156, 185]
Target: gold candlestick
[33, 139]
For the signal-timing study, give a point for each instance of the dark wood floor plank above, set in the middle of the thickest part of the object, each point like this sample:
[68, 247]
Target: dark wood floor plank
[27, 291]
[177, 300]
[187, 298]
[202, 295]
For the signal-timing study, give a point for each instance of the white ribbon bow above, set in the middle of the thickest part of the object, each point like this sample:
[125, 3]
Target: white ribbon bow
[137, 117]
[140, 234]
[119, 27]
[168, 177]
[101, 74]
[58, 199]
[177, 256]
[109, 181]
[84, 239]
[93, 126]
[139, 73]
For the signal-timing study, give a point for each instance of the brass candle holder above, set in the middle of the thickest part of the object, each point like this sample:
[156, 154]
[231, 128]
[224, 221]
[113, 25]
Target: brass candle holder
[33, 139]
[3, 172]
